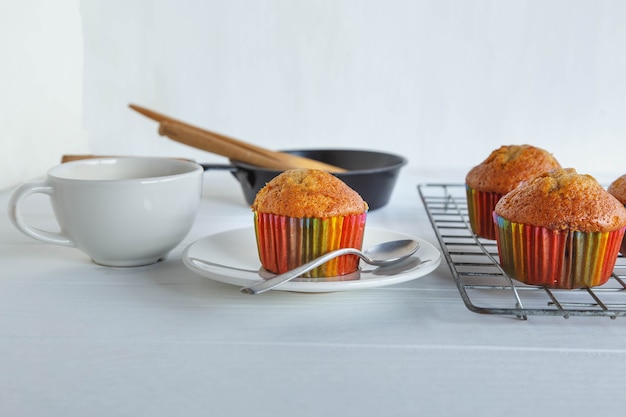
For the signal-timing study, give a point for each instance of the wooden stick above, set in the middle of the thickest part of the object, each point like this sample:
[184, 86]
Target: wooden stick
[209, 143]
[70, 158]
[230, 147]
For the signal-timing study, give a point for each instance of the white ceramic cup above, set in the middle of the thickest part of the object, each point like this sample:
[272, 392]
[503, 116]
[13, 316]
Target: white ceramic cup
[128, 211]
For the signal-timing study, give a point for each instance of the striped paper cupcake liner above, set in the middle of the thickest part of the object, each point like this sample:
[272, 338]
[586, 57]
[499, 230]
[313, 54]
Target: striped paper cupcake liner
[557, 259]
[480, 206]
[622, 248]
[286, 242]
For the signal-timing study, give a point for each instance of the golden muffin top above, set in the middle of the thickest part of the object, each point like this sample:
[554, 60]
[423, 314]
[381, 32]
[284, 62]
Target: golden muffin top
[618, 189]
[508, 166]
[563, 199]
[308, 193]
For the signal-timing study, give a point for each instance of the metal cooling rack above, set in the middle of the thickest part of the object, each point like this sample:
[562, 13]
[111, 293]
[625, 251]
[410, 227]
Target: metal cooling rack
[484, 286]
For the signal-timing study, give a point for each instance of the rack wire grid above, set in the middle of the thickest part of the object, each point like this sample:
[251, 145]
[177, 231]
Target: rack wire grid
[485, 288]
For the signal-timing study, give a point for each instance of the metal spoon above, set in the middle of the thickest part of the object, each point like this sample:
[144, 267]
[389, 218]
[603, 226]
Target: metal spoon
[382, 254]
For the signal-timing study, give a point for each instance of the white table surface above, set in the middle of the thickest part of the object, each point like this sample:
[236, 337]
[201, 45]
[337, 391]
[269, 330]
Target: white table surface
[78, 339]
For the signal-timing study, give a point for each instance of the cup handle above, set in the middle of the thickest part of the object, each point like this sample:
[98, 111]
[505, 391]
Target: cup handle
[15, 215]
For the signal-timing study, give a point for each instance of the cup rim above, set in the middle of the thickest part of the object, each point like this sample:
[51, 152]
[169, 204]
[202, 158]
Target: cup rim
[184, 168]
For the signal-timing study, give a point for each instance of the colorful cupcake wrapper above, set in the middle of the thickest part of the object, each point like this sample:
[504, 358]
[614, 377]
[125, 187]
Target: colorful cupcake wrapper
[623, 247]
[480, 206]
[286, 242]
[556, 259]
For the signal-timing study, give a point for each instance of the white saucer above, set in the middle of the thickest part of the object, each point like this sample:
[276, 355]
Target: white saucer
[231, 257]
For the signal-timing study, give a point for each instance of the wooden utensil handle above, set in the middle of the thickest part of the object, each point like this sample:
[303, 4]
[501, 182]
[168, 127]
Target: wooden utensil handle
[237, 150]
[70, 158]
[230, 147]
[206, 142]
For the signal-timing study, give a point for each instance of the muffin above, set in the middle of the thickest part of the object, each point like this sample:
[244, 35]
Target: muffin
[560, 230]
[503, 170]
[618, 190]
[302, 214]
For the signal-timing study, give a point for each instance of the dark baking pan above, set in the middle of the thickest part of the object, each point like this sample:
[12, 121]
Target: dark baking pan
[372, 174]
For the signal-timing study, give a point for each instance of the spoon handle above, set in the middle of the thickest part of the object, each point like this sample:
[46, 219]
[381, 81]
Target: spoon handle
[268, 284]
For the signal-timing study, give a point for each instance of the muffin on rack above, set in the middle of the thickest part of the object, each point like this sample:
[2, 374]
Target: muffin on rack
[561, 230]
[618, 190]
[503, 170]
[304, 213]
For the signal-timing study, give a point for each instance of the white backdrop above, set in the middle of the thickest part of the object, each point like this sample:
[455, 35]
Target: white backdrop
[441, 81]
[41, 76]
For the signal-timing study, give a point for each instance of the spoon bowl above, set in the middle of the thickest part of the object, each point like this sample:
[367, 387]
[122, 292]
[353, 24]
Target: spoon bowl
[382, 254]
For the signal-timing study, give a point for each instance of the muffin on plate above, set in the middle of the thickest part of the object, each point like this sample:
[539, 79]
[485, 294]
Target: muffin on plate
[503, 170]
[561, 229]
[302, 214]
[618, 190]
